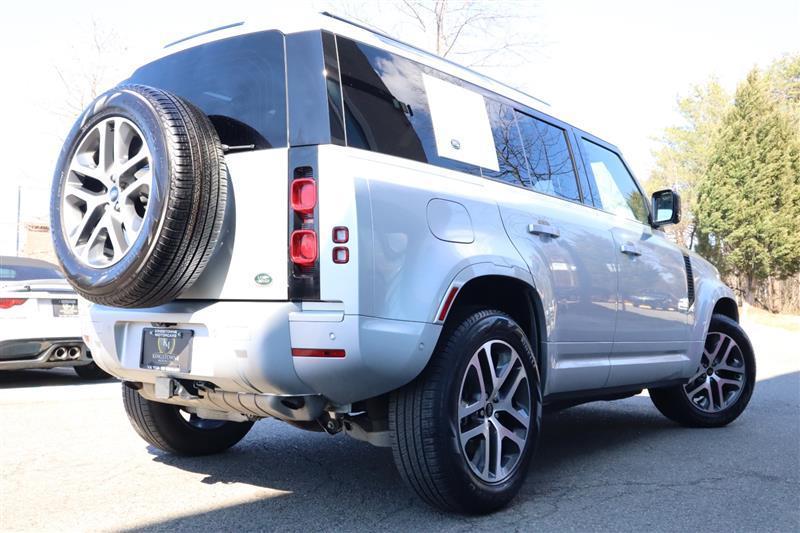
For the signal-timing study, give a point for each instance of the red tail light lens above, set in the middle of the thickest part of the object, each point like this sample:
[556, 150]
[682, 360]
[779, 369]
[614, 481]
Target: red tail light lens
[304, 195]
[314, 352]
[303, 247]
[7, 303]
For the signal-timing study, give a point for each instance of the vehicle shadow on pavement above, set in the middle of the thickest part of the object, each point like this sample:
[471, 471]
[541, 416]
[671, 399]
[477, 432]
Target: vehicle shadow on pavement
[624, 448]
[16, 379]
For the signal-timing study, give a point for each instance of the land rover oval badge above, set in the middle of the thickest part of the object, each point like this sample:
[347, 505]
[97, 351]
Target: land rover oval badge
[263, 279]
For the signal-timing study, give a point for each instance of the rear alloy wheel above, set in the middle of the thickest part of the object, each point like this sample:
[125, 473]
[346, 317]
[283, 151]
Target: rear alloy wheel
[463, 432]
[494, 415]
[722, 384]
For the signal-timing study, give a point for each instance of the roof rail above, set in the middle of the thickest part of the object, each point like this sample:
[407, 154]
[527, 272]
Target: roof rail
[212, 30]
[383, 34]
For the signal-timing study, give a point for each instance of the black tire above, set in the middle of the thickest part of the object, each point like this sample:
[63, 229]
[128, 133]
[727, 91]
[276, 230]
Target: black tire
[424, 424]
[91, 372]
[185, 208]
[162, 425]
[673, 402]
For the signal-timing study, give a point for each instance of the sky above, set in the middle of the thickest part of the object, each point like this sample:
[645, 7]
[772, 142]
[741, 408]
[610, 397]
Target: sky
[614, 68]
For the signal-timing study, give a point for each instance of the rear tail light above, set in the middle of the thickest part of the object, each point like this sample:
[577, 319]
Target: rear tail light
[7, 303]
[304, 196]
[303, 228]
[303, 247]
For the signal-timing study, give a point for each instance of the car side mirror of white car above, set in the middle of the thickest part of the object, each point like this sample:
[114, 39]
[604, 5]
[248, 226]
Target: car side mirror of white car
[666, 208]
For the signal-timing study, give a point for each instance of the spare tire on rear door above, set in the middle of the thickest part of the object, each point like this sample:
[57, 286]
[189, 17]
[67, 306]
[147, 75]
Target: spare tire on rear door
[138, 197]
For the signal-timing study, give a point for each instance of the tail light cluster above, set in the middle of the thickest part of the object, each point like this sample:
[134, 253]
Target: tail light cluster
[303, 235]
[304, 241]
[8, 303]
[303, 244]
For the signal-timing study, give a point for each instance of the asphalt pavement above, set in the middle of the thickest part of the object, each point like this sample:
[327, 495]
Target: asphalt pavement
[70, 461]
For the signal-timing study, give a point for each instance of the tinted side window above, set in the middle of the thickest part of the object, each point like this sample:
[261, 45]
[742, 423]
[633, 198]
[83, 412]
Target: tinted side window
[550, 161]
[239, 83]
[386, 108]
[614, 185]
[507, 142]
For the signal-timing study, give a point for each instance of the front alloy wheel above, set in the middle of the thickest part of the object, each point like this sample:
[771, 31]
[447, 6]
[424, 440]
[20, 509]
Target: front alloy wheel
[720, 378]
[722, 384]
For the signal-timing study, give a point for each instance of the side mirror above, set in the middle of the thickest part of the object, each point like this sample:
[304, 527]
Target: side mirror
[666, 208]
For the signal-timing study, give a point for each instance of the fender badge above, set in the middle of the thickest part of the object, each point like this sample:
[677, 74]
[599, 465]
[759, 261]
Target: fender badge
[263, 279]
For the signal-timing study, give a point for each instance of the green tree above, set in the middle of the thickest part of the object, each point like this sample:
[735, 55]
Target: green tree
[682, 161]
[748, 204]
[783, 77]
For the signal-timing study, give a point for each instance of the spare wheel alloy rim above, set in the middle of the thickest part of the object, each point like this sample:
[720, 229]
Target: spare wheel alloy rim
[106, 192]
[494, 411]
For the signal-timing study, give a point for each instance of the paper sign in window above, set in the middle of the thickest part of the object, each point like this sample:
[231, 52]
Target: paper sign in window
[460, 124]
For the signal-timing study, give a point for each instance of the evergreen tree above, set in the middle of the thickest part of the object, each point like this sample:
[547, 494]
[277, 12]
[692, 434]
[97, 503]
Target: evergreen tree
[682, 161]
[748, 208]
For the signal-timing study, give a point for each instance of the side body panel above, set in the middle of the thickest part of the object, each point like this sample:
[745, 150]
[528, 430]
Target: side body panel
[399, 269]
[708, 290]
[576, 278]
[651, 342]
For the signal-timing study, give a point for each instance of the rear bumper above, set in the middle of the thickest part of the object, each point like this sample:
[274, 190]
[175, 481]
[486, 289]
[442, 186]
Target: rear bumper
[246, 347]
[22, 354]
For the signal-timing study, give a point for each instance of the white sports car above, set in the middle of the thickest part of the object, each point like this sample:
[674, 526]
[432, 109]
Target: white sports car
[39, 325]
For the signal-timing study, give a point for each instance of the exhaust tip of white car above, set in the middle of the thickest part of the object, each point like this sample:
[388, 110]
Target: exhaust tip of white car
[66, 353]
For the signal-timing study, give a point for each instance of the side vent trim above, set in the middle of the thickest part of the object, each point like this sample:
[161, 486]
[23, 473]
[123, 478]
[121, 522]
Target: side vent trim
[689, 279]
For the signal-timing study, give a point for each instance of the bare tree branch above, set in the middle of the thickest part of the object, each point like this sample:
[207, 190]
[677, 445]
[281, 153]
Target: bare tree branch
[412, 13]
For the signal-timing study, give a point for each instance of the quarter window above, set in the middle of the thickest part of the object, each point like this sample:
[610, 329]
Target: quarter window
[386, 106]
[549, 158]
[510, 154]
[614, 184]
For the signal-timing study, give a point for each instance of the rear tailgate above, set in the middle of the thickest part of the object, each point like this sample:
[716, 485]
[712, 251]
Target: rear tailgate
[250, 262]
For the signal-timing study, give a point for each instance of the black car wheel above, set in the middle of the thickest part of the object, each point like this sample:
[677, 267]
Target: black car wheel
[722, 384]
[91, 372]
[464, 431]
[174, 430]
[138, 197]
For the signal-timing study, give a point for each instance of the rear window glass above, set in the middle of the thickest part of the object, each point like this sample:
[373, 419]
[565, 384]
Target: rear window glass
[240, 83]
[22, 273]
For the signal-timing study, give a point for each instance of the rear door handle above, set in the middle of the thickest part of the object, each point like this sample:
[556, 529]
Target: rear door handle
[629, 248]
[544, 229]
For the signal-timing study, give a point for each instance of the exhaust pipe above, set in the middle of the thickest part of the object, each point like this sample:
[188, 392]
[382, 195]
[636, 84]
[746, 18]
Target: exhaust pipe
[60, 353]
[74, 352]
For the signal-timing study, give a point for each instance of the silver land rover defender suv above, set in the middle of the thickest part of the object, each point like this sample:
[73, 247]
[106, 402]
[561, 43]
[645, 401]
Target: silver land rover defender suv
[308, 220]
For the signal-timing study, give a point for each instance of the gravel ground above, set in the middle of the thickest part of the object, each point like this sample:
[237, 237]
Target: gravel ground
[70, 461]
